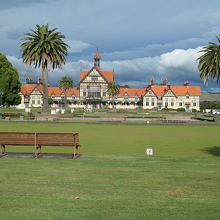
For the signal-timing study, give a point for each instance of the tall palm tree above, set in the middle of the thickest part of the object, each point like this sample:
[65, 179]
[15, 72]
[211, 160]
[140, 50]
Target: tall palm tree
[209, 62]
[45, 49]
[113, 90]
[65, 83]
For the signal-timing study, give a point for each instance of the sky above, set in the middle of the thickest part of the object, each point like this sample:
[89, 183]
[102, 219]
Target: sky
[138, 39]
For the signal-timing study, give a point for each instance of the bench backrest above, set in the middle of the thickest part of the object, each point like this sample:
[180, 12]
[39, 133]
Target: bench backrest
[46, 139]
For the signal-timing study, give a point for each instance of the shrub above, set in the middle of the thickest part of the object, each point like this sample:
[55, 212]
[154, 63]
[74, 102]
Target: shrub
[181, 110]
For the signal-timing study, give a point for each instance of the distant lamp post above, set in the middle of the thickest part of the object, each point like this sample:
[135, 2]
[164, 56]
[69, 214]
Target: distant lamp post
[1, 94]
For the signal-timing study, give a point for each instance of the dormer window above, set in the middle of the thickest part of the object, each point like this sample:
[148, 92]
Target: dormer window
[126, 96]
[150, 92]
[73, 96]
[168, 92]
[52, 96]
[136, 97]
[187, 96]
[63, 96]
[116, 97]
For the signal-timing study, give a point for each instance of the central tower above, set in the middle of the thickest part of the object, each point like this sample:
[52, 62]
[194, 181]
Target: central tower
[97, 59]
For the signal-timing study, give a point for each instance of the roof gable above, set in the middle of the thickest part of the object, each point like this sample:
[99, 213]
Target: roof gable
[108, 76]
[169, 92]
[29, 88]
[184, 90]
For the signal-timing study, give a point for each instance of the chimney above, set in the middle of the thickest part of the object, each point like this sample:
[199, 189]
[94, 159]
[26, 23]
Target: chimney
[152, 81]
[186, 83]
[164, 80]
[29, 80]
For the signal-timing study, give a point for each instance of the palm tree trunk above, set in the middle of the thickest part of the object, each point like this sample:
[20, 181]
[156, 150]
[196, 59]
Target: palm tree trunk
[45, 107]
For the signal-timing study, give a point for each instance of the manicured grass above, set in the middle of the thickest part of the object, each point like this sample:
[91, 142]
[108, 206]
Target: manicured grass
[115, 179]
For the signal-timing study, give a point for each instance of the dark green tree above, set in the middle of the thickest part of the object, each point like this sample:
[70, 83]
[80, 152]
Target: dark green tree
[209, 62]
[113, 90]
[9, 83]
[45, 49]
[65, 83]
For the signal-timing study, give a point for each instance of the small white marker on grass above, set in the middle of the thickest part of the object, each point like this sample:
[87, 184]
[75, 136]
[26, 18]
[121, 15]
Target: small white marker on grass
[149, 152]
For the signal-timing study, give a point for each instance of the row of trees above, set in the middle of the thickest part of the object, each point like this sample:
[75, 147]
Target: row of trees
[45, 48]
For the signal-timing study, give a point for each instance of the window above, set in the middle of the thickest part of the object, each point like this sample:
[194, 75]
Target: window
[147, 102]
[33, 101]
[94, 92]
[53, 96]
[152, 101]
[166, 102]
[84, 92]
[194, 104]
[187, 96]
[116, 97]
[136, 98]
[150, 92]
[104, 92]
[94, 78]
[172, 101]
[73, 96]
[180, 104]
[38, 101]
[126, 96]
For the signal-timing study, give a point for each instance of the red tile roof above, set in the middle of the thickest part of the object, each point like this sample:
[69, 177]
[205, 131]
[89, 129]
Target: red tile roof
[177, 90]
[132, 92]
[183, 90]
[159, 90]
[57, 91]
[108, 75]
[28, 89]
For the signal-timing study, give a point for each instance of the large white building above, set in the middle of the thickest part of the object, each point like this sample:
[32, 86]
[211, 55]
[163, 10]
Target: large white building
[92, 93]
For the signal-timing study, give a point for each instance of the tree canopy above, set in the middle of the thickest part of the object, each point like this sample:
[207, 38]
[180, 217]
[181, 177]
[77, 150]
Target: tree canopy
[65, 83]
[113, 90]
[9, 83]
[44, 48]
[209, 62]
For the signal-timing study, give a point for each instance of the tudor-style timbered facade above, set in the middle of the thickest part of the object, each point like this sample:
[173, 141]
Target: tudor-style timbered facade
[92, 93]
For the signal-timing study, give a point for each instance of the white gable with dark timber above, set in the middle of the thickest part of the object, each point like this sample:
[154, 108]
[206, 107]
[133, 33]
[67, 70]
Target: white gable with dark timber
[169, 93]
[94, 76]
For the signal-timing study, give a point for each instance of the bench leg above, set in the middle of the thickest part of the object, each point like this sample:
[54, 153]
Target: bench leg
[37, 151]
[75, 151]
[2, 147]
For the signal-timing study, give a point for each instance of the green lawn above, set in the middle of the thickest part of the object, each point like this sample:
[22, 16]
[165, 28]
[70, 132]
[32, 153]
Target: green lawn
[115, 179]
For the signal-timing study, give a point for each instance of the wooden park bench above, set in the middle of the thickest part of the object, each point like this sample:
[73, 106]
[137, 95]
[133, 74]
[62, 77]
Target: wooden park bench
[9, 115]
[38, 140]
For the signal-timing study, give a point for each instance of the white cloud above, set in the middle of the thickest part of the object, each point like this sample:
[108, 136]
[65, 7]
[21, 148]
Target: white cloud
[178, 65]
[77, 46]
[179, 58]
